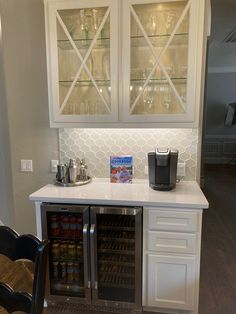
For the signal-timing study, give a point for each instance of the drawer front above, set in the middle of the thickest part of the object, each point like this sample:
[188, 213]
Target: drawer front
[172, 220]
[171, 242]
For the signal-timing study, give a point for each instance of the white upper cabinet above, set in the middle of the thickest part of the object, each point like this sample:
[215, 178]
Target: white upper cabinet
[124, 63]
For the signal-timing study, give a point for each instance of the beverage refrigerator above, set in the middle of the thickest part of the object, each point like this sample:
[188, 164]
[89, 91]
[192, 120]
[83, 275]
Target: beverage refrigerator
[95, 254]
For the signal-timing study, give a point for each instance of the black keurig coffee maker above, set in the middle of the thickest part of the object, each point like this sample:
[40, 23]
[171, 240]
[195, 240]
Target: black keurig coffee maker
[162, 169]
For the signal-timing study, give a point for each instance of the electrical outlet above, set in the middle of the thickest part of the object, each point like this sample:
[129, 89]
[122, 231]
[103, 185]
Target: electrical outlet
[26, 165]
[54, 164]
[181, 169]
[146, 170]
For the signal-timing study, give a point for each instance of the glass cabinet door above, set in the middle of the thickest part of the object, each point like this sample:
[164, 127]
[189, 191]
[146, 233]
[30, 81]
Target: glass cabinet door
[82, 60]
[158, 61]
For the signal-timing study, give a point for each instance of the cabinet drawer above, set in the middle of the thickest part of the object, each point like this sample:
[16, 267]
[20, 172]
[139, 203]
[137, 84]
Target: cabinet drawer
[171, 242]
[172, 220]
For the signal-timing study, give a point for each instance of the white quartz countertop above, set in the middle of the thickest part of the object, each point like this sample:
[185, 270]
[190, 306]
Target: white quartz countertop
[187, 194]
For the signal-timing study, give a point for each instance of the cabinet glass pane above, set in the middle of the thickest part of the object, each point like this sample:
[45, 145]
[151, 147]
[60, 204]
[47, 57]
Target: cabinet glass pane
[83, 40]
[159, 58]
[116, 257]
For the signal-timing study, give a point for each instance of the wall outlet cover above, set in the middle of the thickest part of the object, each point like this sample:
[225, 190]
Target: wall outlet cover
[181, 169]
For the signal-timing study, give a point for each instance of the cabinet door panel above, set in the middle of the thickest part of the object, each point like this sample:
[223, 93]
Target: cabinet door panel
[170, 282]
[82, 60]
[158, 60]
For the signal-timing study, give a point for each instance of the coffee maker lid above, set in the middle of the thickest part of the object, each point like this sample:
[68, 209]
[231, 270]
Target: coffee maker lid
[162, 151]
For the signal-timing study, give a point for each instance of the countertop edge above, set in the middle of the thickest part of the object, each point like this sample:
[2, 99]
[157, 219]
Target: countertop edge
[118, 202]
[201, 203]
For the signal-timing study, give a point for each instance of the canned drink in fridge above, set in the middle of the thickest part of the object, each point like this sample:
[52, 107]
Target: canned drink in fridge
[55, 270]
[72, 250]
[63, 271]
[70, 272]
[54, 226]
[79, 227]
[76, 272]
[65, 231]
[79, 250]
[55, 249]
[73, 225]
[63, 249]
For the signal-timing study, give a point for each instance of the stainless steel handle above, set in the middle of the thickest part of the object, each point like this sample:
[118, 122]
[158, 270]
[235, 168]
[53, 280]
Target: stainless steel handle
[93, 259]
[87, 280]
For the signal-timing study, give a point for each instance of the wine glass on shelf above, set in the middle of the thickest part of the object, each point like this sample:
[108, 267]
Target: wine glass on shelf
[84, 27]
[70, 24]
[96, 20]
[148, 98]
[170, 22]
[167, 99]
[153, 23]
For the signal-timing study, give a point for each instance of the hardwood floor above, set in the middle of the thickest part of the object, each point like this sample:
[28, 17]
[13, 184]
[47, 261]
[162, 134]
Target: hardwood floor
[218, 258]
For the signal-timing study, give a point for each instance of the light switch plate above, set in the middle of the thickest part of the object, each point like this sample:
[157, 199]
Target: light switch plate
[26, 165]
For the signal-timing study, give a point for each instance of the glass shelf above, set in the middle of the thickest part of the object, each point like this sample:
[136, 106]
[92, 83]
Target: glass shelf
[180, 80]
[101, 43]
[179, 39]
[86, 83]
[139, 40]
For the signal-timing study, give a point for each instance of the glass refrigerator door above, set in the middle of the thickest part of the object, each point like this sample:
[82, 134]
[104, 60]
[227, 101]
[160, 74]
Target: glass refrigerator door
[115, 236]
[66, 227]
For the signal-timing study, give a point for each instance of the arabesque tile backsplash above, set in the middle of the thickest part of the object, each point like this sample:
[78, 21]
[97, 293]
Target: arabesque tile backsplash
[97, 145]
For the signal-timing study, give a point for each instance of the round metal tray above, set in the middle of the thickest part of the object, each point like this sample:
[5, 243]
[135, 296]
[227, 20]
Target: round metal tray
[77, 183]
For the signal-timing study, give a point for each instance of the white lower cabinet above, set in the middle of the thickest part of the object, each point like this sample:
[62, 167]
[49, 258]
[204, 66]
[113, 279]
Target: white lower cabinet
[170, 283]
[171, 259]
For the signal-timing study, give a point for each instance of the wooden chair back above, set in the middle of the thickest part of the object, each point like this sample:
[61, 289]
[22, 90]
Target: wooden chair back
[28, 247]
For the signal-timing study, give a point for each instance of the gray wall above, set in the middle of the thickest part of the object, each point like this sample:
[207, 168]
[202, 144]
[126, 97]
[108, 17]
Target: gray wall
[26, 98]
[6, 206]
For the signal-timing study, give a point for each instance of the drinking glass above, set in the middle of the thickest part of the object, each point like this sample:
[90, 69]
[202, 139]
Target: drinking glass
[167, 99]
[170, 22]
[152, 27]
[84, 27]
[70, 24]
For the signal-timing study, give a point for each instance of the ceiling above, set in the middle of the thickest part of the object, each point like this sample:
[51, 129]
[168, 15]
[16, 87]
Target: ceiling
[222, 55]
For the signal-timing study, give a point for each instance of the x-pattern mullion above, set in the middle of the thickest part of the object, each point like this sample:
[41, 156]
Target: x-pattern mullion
[83, 60]
[157, 57]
